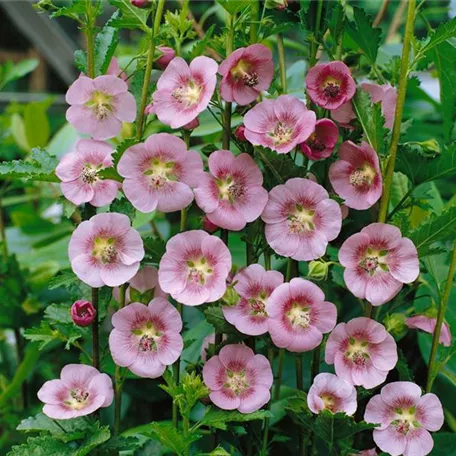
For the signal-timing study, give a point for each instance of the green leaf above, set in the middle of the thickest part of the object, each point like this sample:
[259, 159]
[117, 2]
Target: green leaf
[219, 419]
[58, 313]
[65, 278]
[39, 166]
[444, 444]
[362, 32]
[405, 373]
[96, 438]
[233, 6]
[10, 72]
[80, 60]
[73, 10]
[41, 446]
[43, 334]
[171, 438]
[37, 128]
[155, 248]
[123, 206]
[442, 33]
[420, 169]
[132, 17]
[444, 57]
[435, 229]
[214, 316]
[18, 132]
[201, 45]
[106, 42]
[371, 119]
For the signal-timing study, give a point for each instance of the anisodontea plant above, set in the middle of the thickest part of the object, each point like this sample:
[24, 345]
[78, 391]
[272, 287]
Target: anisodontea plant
[260, 252]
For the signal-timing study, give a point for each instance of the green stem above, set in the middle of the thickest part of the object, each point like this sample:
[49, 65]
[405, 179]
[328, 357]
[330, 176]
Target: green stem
[118, 373]
[254, 14]
[267, 260]
[314, 46]
[278, 378]
[282, 63]
[264, 448]
[227, 112]
[300, 387]
[186, 432]
[150, 62]
[3, 234]
[249, 247]
[388, 180]
[440, 318]
[95, 332]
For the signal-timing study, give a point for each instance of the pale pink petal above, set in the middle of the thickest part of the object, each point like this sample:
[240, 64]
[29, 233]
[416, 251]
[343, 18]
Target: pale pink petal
[214, 373]
[324, 316]
[390, 441]
[101, 385]
[403, 262]
[124, 107]
[378, 412]
[87, 270]
[77, 191]
[305, 339]
[77, 375]
[105, 191]
[52, 392]
[401, 394]
[225, 400]
[366, 329]
[334, 342]
[419, 443]
[259, 396]
[116, 274]
[429, 412]
[384, 354]
[80, 91]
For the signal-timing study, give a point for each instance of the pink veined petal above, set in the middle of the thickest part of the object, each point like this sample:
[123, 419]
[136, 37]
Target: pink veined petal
[343, 368]
[214, 373]
[220, 162]
[77, 191]
[224, 400]
[96, 150]
[131, 164]
[105, 191]
[356, 281]
[390, 441]
[384, 354]
[381, 288]
[87, 270]
[401, 394]
[403, 262]
[429, 412]
[183, 245]
[70, 167]
[329, 218]
[377, 92]
[235, 355]
[176, 72]
[419, 443]
[366, 329]
[277, 299]
[244, 95]
[101, 385]
[280, 334]
[126, 318]
[334, 344]
[324, 316]
[378, 412]
[214, 249]
[305, 340]
[174, 197]
[107, 128]
[109, 84]
[124, 347]
[230, 61]
[303, 287]
[77, 375]
[258, 397]
[147, 367]
[246, 324]
[172, 275]
[116, 274]
[227, 216]
[260, 118]
[383, 233]
[170, 347]
[131, 249]
[162, 309]
[52, 392]
[80, 91]
[368, 375]
[125, 107]
[281, 240]
[206, 193]
[353, 249]
[259, 372]
[193, 295]
[140, 194]
[311, 247]
[280, 201]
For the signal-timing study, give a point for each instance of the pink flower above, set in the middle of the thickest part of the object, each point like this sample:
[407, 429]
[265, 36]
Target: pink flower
[115, 70]
[142, 287]
[356, 175]
[329, 392]
[194, 268]
[100, 105]
[405, 419]
[279, 124]
[83, 313]
[239, 133]
[146, 339]
[184, 91]
[79, 173]
[378, 261]
[167, 55]
[159, 173]
[362, 352]
[344, 115]
[245, 73]
[209, 226]
[301, 219]
[208, 340]
[299, 315]
[238, 379]
[254, 286]
[321, 142]
[330, 85]
[428, 325]
[80, 391]
[387, 96]
[232, 193]
[105, 250]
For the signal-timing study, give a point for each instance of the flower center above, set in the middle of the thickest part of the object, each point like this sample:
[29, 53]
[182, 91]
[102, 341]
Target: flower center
[405, 420]
[101, 104]
[189, 94]
[236, 382]
[331, 88]
[148, 337]
[243, 70]
[281, 133]
[89, 174]
[299, 316]
[160, 172]
[229, 189]
[362, 176]
[357, 352]
[198, 271]
[257, 305]
[316, 143]
[78, 398]
[301, 220]
[374, 260]
[104, 249]
[329, 402]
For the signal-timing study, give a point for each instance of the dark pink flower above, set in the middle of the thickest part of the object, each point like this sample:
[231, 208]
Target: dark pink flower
[146, 339]
[405, 418]
[140, 3]
[192, 124]
[387, 96]
[167, 54]
[330, 85]
[378, 261]
[362, 352]
[194, 268]
[105, 250]
[83, 313]
[184, 91]
[254, 286]
[245, 73]
[356, 175]
[329, 392]
[160, 173]
[79, 173]
[321, 142]
[100, 105]
[428, 325]
[279, 124]
[299, 315]
[238, 379]
[209, 226]
[301, 219]
[231, 194]
[81, 390]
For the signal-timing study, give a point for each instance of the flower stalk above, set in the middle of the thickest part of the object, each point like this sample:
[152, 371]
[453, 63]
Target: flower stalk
[227, 112]
[95, 331]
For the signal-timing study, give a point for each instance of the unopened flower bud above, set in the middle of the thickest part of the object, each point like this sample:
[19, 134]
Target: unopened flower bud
[140, 3]
[230, 298]
[83, 313]
[395, 324]
[167, 54]
[149, 109]
[276, 4]
[192, 124]
[318, 270]
[239, 133]
[209, 226]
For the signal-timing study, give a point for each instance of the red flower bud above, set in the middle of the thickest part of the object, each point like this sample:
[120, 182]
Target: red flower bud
[209, 226]
[140, 3]
[192, 124]
[83, 313]
[239, 133]
[168, 54]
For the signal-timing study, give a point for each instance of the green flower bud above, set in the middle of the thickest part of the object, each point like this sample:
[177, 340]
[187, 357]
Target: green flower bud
[230, 298]
[395, 324]
[276, 4]
[318, 270]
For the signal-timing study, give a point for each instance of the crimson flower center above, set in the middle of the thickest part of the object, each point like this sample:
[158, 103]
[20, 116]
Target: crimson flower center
[243, 70]
[316, 143]
[332, 89]
[374, 260]
[188, 94]
[257, 305]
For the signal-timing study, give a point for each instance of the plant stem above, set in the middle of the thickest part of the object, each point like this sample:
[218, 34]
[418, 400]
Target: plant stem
[95, 332]
[227, 112]
[118, 372]
[3, 234]
[278, 379]
[381, 13]
[440, 317]
[150, 60]
[264, 447]
[282, 63]
[186, 432]
[399, 111]
[254, 14]
[300, 387]
[314, 46]
[315, 369]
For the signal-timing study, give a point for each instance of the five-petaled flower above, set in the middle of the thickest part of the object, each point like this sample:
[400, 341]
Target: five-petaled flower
[322, 141]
